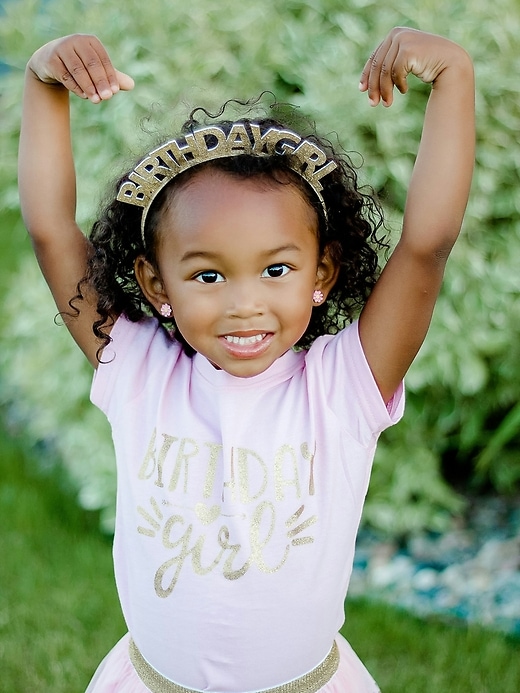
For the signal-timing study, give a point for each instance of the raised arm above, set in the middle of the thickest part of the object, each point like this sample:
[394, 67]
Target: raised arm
[397, 315]
[47, 181]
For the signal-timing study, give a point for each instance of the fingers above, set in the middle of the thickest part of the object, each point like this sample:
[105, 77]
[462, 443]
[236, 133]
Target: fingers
[408, 51]
[386, 68]
[82, 64]
[87, 69]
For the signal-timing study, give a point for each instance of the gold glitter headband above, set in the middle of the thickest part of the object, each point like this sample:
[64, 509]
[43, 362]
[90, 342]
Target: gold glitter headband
[166, 162]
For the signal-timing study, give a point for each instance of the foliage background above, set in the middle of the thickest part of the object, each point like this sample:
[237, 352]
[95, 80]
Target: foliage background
[463, 416]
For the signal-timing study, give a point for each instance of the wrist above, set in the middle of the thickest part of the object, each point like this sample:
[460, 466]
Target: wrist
[458, 70]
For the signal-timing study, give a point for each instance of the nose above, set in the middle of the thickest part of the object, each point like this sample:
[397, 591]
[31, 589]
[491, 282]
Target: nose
[244, 299]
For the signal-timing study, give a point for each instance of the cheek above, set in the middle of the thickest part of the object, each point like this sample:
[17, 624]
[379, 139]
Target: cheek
[297, 308]
[192, 314]
[191, 330]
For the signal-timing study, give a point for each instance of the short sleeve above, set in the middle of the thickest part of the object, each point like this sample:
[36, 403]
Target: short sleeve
[136, 356]
[348, 387]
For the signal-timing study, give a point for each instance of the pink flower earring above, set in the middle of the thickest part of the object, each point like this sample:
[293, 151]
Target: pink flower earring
[318, 296]
[166, 310]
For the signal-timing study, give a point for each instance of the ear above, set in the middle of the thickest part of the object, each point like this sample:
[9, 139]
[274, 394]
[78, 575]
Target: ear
[150, 282]
[327, 271]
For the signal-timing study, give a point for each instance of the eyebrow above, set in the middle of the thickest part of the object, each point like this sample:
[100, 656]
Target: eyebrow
[207, 255]
[198, 254]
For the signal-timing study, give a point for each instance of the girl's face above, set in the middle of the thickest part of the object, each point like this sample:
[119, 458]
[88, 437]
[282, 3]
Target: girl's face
[238, 261]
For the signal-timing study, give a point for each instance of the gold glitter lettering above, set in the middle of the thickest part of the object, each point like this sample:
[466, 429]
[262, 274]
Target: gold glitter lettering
[264, 509]
[150, 458]
[166, 535]
[271, 138]
[177, 561]
[311, 521]
[196, 557]
[291, 534]
[238, 139]
[286, 451]
[156, 168]
[207, 515]
[228, 572]
[246, 460]
[294, 517]
[209, 483]
[310, 155]
[202, 143]
[309, 456]
[250, 478]
[154, 523]
[148, 518]
[167, 443]
[156, 508]
[231, 483]
[185, 153]
[195, 551]
[183, 457]
[300, 541]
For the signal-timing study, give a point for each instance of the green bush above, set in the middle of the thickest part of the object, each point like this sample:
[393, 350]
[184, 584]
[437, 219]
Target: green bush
[463, 415]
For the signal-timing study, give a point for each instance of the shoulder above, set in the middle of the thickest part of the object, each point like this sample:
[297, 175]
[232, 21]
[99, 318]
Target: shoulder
[139, 354]
[341, 351]
[339, 373]
[130, 339]
[339, 358]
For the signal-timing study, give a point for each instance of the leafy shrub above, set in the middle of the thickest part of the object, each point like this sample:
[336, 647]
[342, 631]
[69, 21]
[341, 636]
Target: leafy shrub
[463, 414]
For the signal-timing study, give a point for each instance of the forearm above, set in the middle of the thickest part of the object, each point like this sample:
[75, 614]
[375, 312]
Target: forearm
[78, 64]
[47, 180]
[397, 314]
[441, 178]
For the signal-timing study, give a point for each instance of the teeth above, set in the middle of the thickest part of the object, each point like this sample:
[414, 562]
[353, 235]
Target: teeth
[243, 341]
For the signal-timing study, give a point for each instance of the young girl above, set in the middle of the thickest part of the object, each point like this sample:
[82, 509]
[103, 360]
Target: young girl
[243, 464]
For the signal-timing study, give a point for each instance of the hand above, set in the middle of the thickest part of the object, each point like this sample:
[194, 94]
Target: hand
[80, 63]
[406, 51]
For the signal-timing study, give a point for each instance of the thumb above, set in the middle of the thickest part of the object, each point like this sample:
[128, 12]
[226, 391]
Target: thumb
[126, 83]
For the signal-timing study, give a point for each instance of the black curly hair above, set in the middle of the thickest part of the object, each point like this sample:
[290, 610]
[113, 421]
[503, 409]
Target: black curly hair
[351, 231]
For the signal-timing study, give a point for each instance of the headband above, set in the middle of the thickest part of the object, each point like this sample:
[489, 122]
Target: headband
[204, 144]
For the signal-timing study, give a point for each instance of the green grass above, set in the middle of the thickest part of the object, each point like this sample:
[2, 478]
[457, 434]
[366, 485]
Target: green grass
[59, 612]
[411, 655]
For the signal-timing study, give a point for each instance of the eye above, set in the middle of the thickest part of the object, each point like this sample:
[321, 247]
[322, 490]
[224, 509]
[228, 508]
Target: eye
[209, 277]
[274, 271]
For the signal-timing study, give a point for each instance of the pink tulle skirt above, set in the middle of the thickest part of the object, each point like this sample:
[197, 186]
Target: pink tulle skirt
[116, 674]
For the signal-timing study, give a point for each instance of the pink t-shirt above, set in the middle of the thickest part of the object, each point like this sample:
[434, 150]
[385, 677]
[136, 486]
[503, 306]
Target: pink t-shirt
[238, 502]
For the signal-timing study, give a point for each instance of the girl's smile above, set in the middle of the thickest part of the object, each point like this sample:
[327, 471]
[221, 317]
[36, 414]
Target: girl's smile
[238, 261]
[247, 347]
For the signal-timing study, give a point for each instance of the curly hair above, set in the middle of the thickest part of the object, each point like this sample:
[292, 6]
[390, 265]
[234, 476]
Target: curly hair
[350, 232]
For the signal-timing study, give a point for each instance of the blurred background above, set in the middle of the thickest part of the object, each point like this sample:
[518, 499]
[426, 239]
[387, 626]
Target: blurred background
[442, 521]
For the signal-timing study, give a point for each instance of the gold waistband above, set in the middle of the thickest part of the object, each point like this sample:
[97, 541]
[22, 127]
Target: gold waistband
[308, 683]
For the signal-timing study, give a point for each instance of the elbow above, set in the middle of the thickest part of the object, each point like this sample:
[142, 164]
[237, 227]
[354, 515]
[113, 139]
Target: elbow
[432, 253]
